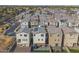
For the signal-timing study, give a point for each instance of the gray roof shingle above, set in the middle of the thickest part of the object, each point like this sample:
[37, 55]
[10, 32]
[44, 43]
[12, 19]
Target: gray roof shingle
[25, 30]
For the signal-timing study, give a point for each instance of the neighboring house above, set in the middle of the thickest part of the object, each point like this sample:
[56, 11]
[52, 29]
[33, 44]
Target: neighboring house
[37, 12]
[70, 37]
[39, 36]
[51, 20]
[76, 29]
[63, 19]
[34, 20]
[55, 36]
[73, 21]
[43, 11]
[25, 22]
[23, 37]
[71, 24]
[43, 20]
[63, 23]
[20, 16]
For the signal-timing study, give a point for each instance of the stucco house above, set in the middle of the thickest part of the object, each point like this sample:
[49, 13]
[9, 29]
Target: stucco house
[70, 37]
[55, 36]
[23, 37]
[39, 36]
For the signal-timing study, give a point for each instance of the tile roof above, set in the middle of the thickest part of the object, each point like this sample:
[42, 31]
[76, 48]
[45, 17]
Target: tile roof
[68, 30]
[53, 29]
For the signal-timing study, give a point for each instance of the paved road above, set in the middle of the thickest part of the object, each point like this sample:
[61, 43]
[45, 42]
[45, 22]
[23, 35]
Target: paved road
[10, 31]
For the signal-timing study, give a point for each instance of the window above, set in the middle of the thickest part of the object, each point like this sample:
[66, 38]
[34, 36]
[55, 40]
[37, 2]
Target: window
[78, 25]
[41, 39]
[25, 35]
[38, 39]
[56, 44]
[55, 39]
[71, 34]
[58, 40]
[19, 40]
[74, 44]
[34, 34]
[36, 29]
[50, 35]
[42, 35]
[58, 35]
[20, 34]
[24, 39]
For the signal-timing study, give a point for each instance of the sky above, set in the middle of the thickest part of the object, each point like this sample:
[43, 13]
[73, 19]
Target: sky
[39, 2]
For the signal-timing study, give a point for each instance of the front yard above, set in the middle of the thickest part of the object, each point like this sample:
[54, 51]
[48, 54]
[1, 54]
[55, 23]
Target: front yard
[74, 50]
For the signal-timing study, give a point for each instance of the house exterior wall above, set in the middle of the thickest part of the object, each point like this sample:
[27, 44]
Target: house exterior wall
[34, 23]
[38, 39]
[44, 23]
[70, 25]
[74, 24]
[24, 24]
[70, 40]
[25, 40]
[62, 24]
[55, 39]
[76, 29]
[18, 17]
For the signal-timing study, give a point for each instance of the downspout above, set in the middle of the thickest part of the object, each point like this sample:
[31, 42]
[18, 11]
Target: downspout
[62, 43]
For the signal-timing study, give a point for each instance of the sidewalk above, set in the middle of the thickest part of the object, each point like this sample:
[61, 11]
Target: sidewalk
[67, 49]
